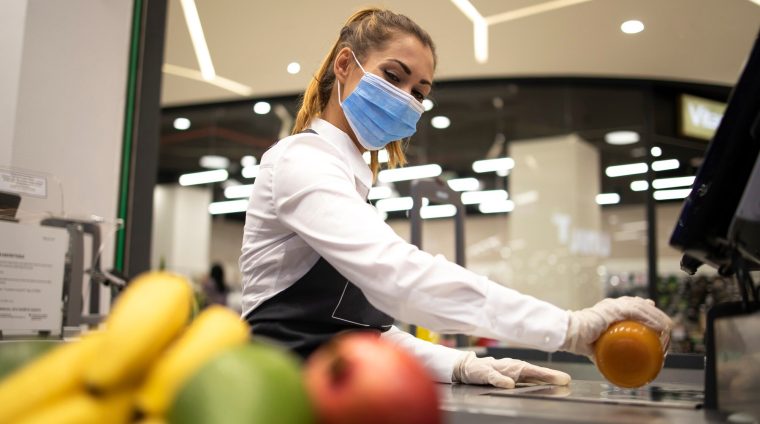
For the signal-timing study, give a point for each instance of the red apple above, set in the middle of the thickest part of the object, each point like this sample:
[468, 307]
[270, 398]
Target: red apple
[360, 378]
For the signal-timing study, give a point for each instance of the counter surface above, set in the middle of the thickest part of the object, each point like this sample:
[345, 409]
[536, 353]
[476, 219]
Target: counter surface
[474, 405]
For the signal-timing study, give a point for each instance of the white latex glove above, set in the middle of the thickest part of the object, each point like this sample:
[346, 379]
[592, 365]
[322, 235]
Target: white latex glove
[588, 324]
[504, 373]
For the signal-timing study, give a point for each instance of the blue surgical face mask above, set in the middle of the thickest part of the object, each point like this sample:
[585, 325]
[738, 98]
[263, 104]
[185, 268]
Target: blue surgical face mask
[379, 112]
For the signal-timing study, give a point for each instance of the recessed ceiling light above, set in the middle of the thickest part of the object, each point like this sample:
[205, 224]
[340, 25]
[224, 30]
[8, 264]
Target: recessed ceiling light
[621, 138]
[427, 104]
[632, 27]
[440, 122]
[262, 108]
[656, 151]
[181, 124]
[214, 162]
[294, 68]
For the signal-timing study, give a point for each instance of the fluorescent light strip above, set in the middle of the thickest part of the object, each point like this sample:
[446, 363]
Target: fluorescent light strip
[639, 185]
[479, 29]
[437, 211]
[248, 160]
[229, 206]
[468, 10]
[199, 40]
[678, 193]
[621, 138]
[409, 173]
[607, 199]
[214, 162]
[464, 184]
[204, 177]
[673, 182]
[480, 40]
[497, 207]
[221, 82]
[379, 192]
[486, 196]
[382, 156]
[394, 204]
[239, 191]
[629, 169]
[531, 10]
[250, 171]
[493, 165]
[666, 165]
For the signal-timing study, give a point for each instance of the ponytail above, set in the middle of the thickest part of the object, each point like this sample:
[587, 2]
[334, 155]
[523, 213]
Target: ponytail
[366, 30]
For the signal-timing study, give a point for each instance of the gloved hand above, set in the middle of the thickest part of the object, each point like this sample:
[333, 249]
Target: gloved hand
[588, 324]
[504, 373]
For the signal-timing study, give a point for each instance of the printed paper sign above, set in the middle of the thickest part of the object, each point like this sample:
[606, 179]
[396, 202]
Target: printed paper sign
[31, 277]
[23, 183]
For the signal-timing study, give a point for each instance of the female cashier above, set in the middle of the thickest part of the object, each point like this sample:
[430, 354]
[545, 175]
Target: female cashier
[317, 259]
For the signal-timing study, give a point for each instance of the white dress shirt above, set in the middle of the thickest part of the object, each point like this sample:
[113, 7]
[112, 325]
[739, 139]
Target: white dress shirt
[309, 200]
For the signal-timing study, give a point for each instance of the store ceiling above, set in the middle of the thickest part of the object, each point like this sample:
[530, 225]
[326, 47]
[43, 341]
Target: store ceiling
[251, 43]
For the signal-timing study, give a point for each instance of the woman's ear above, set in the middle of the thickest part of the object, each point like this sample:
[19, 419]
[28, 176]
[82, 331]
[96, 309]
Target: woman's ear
[342, 64]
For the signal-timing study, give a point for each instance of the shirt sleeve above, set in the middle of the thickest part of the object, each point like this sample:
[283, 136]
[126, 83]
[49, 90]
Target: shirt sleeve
[315, 196]
[437, 359]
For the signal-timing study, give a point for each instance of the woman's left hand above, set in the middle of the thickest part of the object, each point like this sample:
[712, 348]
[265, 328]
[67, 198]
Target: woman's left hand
[504, 373]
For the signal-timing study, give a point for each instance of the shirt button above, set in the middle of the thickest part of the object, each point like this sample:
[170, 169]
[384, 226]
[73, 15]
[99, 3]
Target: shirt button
[547, 339]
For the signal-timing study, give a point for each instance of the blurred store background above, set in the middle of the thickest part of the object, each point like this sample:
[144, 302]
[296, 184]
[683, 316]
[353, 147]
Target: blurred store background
[572, 133]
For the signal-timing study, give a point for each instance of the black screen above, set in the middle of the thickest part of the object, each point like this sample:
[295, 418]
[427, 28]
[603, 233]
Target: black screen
[702, 228]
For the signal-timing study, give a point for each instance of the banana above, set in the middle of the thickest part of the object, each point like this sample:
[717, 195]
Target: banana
[150, 313]
[214, 330]
[50, 377]
[82, 408]
[151, 420]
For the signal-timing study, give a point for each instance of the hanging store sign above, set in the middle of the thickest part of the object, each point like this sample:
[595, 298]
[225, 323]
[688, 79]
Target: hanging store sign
[700, 117]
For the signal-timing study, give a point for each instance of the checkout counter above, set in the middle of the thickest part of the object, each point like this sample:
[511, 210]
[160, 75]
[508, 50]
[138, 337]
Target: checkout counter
[676, 396]
[719, 226]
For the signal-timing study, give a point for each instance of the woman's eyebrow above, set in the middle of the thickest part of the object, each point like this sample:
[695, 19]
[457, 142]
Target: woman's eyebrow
[409, 71]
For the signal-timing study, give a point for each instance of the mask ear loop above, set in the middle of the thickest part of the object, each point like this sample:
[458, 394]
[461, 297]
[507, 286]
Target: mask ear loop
[340, 100]
[357, 62]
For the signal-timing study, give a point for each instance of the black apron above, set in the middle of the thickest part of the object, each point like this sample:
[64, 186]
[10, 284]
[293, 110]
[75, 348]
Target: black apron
[314, 309]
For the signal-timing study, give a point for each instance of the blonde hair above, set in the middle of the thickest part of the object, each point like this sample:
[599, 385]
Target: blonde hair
[366, 30]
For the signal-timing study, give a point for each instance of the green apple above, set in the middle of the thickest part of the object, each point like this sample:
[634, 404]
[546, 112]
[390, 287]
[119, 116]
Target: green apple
[253, 383]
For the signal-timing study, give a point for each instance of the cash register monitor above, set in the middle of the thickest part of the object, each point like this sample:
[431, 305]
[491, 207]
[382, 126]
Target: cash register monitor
[702, 230]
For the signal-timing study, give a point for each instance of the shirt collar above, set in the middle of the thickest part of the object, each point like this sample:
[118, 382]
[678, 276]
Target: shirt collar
[343, 142]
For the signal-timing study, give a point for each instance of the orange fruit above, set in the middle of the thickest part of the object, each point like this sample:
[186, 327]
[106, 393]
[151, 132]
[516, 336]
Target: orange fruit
[629, 354]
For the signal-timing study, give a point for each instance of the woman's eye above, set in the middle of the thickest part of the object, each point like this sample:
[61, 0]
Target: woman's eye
[417, 95]
[391, 76]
